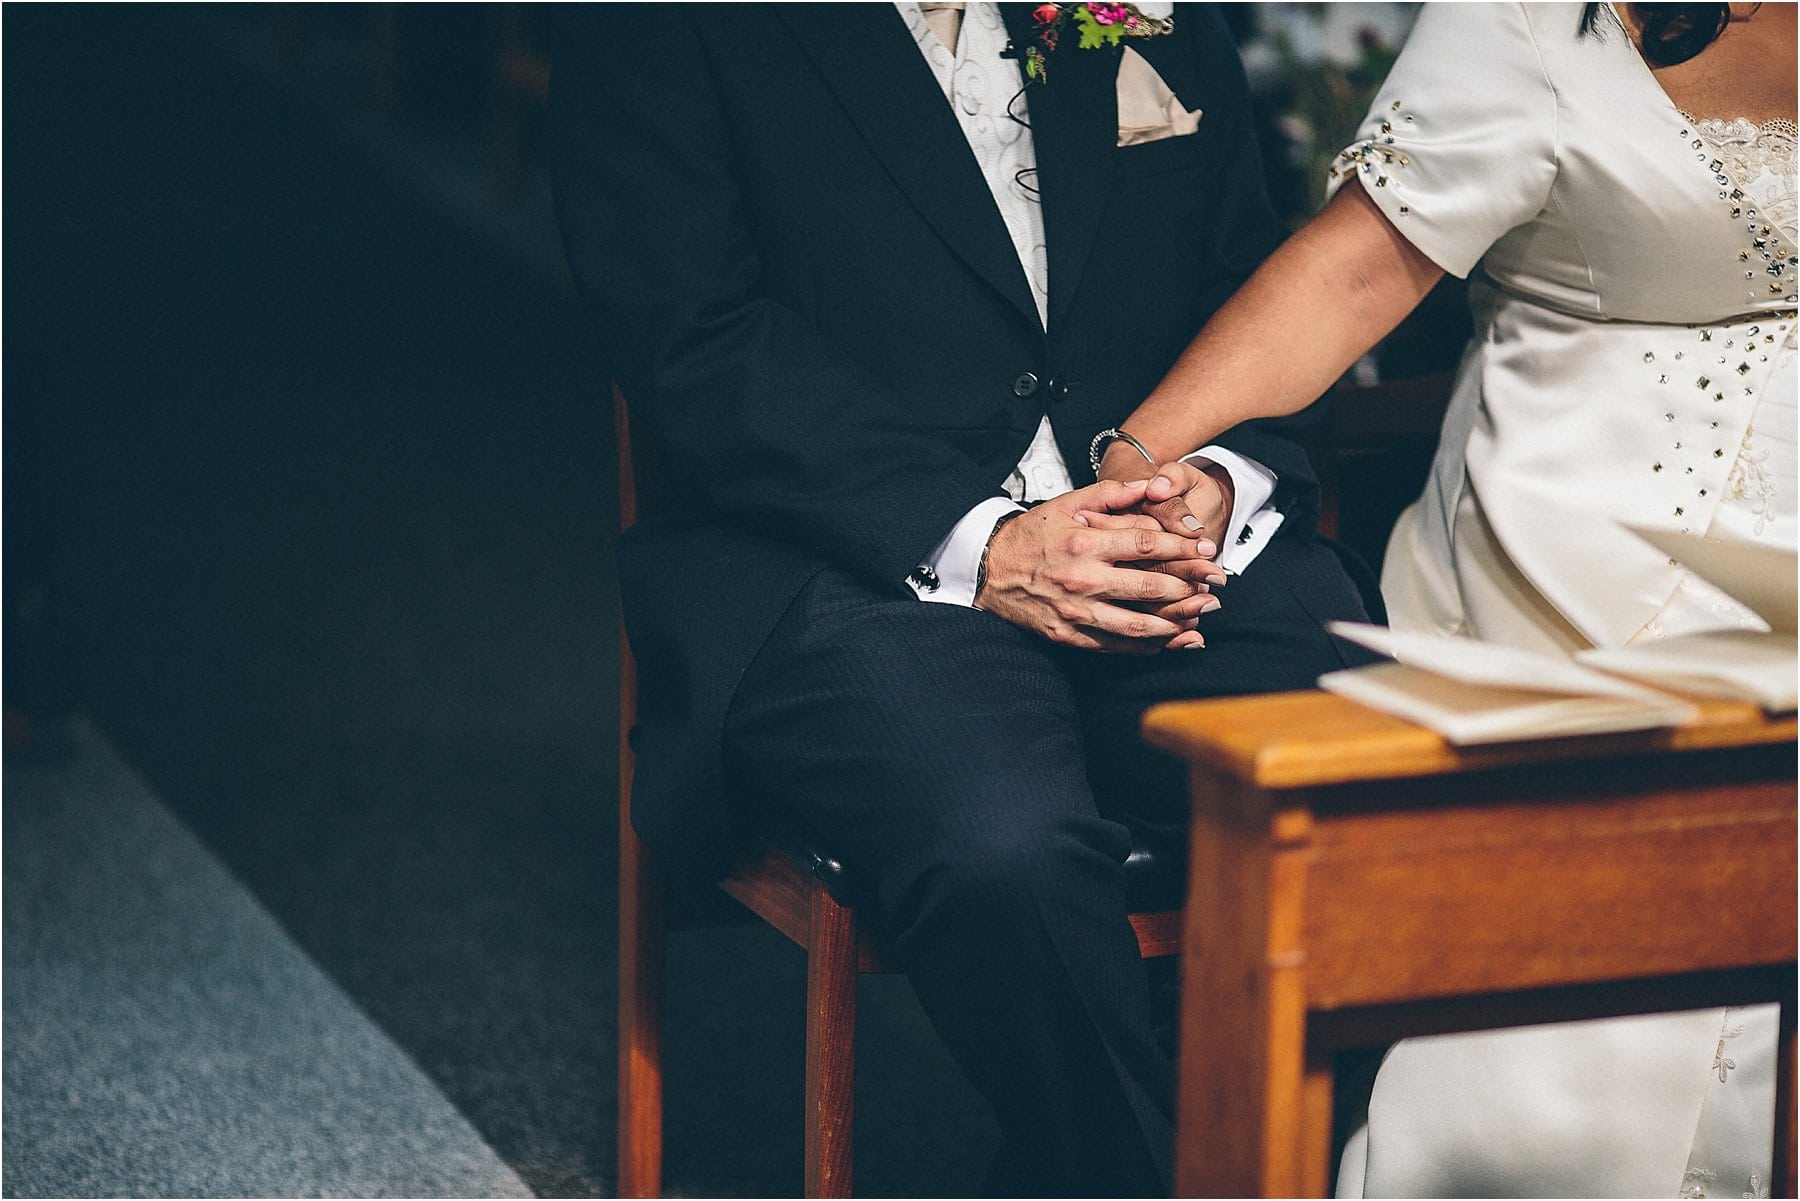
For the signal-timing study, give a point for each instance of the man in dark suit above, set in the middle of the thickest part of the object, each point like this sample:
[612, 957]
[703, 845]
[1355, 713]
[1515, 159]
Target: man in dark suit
[867, 289]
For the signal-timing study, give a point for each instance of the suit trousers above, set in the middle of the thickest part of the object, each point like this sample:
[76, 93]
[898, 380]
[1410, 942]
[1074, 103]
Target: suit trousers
[986, 784]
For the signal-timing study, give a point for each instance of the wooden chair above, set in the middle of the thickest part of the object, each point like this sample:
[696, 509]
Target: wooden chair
[792, 890]
[1371, 453]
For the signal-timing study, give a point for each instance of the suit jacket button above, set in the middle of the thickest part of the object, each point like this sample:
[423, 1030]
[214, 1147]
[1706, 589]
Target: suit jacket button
[1025, 385]
[1058, 388]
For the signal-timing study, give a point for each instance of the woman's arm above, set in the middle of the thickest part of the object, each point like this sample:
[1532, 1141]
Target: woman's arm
[1329, 293]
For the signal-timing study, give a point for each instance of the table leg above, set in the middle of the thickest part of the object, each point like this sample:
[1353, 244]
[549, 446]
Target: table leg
[1315, 1124]
[1249, 1101]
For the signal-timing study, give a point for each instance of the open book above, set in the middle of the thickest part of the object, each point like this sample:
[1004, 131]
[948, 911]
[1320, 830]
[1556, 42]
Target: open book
[1473, 692]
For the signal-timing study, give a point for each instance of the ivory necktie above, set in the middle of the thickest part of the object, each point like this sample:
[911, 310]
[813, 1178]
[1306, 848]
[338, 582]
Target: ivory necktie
[945, 19]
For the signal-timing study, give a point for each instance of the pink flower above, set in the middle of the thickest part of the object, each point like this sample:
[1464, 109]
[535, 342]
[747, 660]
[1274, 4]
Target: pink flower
[1045, 14]
[1108, 14]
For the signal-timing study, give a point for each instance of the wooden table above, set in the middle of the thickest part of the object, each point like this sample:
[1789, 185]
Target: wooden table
[1356, 879]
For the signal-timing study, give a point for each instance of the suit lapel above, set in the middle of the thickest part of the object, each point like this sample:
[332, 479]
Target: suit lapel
[871, 62]
[1074, 130]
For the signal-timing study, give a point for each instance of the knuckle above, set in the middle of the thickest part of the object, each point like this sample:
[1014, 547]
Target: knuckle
[1144, 542]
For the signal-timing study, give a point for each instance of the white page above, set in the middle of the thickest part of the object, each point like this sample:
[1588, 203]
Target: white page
[1740, 664]
[1490, 664]
[1469, 714]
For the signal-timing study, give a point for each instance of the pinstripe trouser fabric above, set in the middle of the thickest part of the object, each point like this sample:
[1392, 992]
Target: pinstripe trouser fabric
[986, 784]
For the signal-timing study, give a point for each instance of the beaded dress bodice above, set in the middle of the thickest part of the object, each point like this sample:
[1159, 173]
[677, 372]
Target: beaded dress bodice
[1759, 498]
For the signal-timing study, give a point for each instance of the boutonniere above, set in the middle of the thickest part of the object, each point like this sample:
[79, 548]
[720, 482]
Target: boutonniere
[1096, 25]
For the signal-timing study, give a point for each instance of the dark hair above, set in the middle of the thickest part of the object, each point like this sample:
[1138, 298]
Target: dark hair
[1673, 33]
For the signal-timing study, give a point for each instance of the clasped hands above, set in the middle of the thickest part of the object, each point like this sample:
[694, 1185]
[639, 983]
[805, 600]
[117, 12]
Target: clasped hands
[1124, 565]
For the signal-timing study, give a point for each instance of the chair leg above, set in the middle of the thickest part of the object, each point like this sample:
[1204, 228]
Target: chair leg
[831, 962]
[640, 1023]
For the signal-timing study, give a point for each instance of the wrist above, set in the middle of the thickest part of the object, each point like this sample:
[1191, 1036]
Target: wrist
[1122, 463]
[1108, 444]
[981, 571]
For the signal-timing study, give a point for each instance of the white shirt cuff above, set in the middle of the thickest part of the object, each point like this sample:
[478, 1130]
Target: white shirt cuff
[948, 573]
[1253, 519]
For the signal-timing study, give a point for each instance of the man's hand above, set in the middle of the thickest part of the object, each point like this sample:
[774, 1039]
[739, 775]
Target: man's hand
[1056, 571]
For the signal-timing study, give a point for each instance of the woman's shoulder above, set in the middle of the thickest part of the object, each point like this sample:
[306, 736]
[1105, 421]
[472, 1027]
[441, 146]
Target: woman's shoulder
[1542, 54]
[1555, 32]
[1463, 29]
[1480, 53]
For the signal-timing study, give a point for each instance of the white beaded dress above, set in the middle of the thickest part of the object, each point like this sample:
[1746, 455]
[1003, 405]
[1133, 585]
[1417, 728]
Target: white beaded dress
[1633, 276]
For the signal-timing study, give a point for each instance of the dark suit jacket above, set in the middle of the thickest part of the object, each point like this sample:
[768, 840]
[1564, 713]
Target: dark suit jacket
[810, 299]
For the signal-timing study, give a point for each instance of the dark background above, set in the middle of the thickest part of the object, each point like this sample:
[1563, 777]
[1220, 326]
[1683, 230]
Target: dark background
[310, 509]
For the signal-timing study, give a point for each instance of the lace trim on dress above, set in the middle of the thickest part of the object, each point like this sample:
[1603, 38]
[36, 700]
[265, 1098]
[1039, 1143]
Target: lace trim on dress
[1723, 129]
[1763, 155]
[1750, 482]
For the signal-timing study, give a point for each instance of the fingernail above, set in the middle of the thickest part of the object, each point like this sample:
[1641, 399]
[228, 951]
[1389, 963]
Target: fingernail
[1138, 484]
[1209, 604]
[1165, 481]
[1192, 523]
[1206, 548]
[1194, 646]
[1217, 581]
[1081, 519]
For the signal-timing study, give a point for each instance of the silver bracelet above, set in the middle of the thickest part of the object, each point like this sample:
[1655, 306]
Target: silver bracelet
[1106, 437]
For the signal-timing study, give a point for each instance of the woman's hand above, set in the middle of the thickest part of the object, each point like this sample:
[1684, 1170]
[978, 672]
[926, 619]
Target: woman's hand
[1184, 499]
[1182, 495]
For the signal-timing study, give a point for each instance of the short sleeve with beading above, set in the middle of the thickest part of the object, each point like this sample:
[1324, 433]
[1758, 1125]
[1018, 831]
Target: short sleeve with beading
[1460, 146]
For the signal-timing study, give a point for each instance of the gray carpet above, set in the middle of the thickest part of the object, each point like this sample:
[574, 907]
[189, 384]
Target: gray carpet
[165, 1037]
